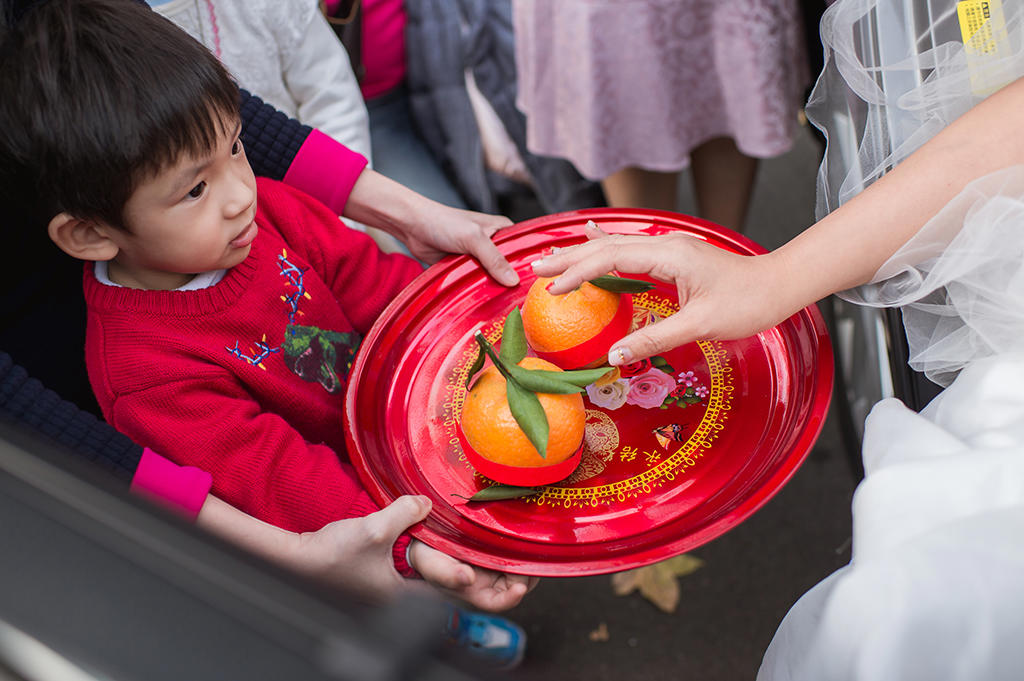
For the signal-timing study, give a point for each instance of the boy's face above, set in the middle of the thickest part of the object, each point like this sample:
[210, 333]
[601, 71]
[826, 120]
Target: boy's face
[194, 216]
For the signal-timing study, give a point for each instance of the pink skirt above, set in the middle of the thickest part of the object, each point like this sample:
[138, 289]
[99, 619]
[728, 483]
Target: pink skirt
[610, 84]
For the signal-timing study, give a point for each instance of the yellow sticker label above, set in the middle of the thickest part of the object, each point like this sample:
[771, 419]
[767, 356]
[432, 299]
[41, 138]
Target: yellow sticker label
[983, 29]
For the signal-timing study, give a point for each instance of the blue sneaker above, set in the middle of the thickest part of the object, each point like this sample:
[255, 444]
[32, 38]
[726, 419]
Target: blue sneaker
[493, 641]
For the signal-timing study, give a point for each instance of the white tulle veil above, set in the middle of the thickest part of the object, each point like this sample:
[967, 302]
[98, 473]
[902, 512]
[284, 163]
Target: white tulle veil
[896, 73]
[933, 589]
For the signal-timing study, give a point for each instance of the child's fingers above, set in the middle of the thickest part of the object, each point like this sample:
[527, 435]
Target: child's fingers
[516, 581]
[508, 595]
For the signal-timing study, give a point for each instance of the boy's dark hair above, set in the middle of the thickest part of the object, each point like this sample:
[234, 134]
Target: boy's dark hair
[99, 95]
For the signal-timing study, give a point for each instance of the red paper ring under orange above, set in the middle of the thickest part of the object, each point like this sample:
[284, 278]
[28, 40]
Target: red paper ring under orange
[591, 350]
[520, 475]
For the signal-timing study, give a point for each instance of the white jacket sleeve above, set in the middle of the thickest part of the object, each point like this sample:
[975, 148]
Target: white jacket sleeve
[319, 76]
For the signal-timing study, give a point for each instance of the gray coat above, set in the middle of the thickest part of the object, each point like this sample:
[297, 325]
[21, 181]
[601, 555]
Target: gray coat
[445, 37]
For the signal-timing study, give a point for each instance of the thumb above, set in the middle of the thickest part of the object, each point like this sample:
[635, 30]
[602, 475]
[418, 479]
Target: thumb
[399, 515]
[659, 337]
[494, 262]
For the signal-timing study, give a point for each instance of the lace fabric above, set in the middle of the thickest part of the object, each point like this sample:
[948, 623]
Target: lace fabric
[960, 279]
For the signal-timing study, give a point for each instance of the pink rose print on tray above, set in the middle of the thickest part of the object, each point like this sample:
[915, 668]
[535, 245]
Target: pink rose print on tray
[650, 384]
[649, 389]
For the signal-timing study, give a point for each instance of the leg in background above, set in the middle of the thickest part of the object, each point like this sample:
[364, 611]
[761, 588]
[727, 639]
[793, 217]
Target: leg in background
[638, 188]
[723, 181]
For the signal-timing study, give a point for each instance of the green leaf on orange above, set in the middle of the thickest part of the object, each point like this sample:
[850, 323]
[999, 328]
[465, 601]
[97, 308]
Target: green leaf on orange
[616, 284]
[529, 414]
[580, 377]
[539, 381]
[478, 364]
[499, 492]
[486, 347]
[513, 339]
[525, 407]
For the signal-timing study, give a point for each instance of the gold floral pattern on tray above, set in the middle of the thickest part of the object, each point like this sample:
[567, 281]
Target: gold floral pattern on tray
[628, 466]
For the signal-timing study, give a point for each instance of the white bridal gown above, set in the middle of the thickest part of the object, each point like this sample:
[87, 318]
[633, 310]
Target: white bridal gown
[935, 586]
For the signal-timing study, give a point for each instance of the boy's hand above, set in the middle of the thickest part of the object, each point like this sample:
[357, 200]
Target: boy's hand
[481, 588]
[355, 554]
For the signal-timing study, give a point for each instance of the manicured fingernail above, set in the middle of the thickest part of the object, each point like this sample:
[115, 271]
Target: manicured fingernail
[550, 284]
[538, 261]
[619, 356]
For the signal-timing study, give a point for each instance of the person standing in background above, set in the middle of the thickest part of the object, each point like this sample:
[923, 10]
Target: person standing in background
[440, 85]
[634, 92]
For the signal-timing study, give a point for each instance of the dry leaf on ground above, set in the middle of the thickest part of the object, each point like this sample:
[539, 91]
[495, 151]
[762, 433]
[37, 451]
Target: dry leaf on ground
[657, 583]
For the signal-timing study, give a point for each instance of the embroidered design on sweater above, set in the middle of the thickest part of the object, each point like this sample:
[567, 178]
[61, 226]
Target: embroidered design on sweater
[317, 355]
[311, 353]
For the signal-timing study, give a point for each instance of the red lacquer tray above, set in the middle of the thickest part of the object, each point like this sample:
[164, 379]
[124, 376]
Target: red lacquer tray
[677, 452]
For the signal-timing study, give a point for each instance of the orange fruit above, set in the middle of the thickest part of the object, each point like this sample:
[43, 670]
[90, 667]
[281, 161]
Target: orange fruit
[556, 326]
[493, 433]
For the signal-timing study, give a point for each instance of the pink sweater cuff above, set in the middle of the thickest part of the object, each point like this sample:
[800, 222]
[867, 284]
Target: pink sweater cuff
[326, 170]
[180, 488]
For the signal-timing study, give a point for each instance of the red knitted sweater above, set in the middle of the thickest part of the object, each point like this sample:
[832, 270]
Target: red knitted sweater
[246, 379]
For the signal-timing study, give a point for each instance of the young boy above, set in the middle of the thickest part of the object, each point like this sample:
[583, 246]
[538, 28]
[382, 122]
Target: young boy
[221, 329]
